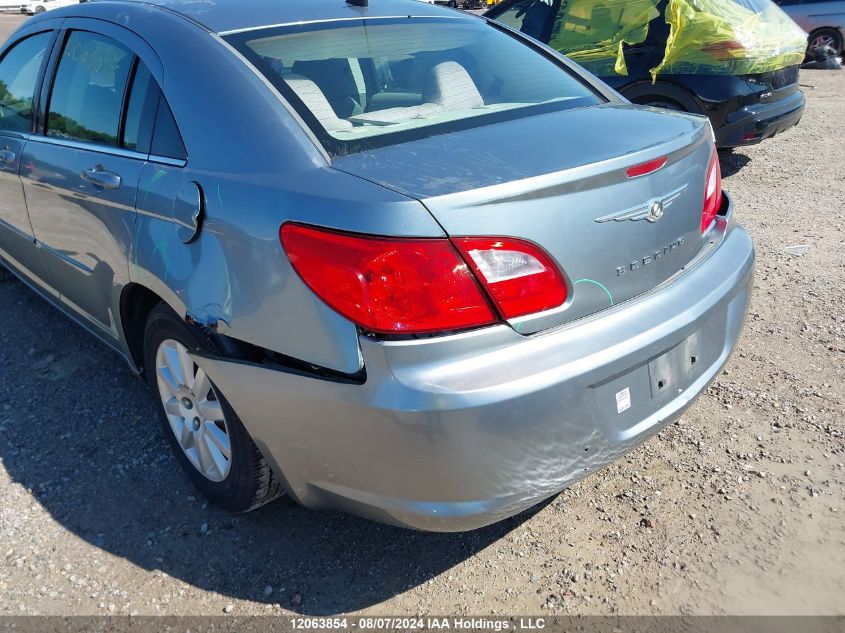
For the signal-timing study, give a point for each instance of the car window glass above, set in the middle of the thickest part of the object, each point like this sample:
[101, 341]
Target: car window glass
[528, 16]
[150, 126]
[362, 86]
[18, 75]
[167, 141]
[141, 111]
[87, 96]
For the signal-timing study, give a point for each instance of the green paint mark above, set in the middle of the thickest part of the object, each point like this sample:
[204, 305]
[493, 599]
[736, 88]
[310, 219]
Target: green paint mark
[135, 241]
[518, 327]
[161, 247]
[600, 285]
[219, 197]
[156, 177]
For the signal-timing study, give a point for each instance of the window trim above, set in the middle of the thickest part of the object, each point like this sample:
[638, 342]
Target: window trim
[124, 104]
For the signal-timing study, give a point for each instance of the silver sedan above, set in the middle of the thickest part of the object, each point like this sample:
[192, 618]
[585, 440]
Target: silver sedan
[389, 259]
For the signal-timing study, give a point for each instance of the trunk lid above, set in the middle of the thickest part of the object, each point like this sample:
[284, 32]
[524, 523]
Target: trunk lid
[559, 180]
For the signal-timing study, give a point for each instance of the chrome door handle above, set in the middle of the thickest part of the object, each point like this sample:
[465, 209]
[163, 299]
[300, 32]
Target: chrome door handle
[7, 156]
[99, 176]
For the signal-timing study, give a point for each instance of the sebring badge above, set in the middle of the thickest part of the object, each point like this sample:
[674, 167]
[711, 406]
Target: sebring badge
[652, 211]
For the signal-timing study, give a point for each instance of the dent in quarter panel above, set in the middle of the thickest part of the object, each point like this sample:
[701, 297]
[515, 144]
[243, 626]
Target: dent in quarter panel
[234, 276]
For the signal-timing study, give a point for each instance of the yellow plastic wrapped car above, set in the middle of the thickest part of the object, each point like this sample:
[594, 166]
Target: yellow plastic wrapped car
[735, 61]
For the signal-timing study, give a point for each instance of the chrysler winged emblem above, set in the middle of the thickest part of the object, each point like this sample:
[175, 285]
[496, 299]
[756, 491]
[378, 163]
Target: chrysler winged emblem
[652, 210]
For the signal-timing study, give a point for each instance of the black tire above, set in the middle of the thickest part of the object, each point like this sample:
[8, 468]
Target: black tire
[832, 35]
[250, 482]
[39, 10]
[666, 104]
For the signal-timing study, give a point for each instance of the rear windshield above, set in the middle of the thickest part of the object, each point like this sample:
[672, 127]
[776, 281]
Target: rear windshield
[364, 83]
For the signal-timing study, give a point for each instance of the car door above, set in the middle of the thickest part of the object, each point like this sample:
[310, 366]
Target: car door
[21, 70]
[824, 14]
[81, 174]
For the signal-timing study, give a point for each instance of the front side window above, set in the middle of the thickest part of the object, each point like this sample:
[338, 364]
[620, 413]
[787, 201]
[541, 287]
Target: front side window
[362, 83]
[88, 90]
[19, 71]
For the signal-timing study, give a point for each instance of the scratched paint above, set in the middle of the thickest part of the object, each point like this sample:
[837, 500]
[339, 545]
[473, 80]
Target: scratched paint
[596, 283]
[156, 177]
[161, 248]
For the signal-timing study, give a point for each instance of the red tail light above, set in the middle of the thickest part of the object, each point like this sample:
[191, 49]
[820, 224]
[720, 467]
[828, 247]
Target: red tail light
[388, 285]
[723, 50]
[712, 192]
[396, 285]
[520, 277]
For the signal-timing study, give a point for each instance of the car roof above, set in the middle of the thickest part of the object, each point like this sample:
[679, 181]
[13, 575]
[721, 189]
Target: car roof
[223, 16]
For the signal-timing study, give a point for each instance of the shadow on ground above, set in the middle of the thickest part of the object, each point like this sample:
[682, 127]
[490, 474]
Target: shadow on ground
[731, 162]
[79, 431]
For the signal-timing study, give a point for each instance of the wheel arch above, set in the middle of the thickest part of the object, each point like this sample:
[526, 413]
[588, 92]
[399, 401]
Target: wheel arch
[642, 90]
[136, 303]
[837, 30]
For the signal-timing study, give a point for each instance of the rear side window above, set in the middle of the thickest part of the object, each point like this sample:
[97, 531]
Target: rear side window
[140, 111]
[362, 84]
[150, 127]
[167, 141]
[88, 89]
[19, 72]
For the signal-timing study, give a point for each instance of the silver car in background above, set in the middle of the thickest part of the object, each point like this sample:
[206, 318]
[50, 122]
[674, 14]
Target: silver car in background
[824, 20]
[394, 260]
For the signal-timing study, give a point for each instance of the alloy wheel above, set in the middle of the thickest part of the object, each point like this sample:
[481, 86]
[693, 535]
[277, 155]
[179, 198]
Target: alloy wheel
[193, 411]
[823, 40]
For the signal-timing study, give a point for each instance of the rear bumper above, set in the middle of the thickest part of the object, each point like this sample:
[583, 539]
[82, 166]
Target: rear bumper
[755, 123]
[453, 433]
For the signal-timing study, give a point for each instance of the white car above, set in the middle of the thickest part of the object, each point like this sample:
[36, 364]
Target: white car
[40, 6]
[11, 5]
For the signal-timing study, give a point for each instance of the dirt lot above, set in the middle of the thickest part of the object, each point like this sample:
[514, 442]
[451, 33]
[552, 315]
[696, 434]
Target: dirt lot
[738, 508]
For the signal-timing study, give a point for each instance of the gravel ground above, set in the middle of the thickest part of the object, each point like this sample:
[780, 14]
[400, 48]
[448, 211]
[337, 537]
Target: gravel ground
[737, 508]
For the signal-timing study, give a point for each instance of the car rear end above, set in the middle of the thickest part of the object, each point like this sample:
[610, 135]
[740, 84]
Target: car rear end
[735, 61]
[588, 283]
[742, 57]
[773, 104]
[747, 109]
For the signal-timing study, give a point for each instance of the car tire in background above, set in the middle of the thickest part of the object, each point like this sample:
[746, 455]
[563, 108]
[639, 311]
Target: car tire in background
[210, 442]
[39, 10]
[826, 37]
[666, 104]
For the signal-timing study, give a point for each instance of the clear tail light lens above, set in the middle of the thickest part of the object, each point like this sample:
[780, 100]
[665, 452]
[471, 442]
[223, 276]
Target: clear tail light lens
[519, 276]
[388, 285]
[712, 192]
